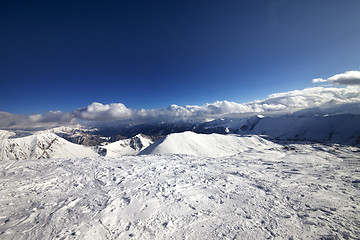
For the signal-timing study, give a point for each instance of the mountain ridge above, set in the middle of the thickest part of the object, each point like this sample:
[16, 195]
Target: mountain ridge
[340, 125]
[42, 145]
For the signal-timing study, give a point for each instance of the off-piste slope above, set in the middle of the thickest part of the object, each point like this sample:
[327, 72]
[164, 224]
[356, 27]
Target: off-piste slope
[129, 146]
[207, 145]
[302, 191]
[44, 145]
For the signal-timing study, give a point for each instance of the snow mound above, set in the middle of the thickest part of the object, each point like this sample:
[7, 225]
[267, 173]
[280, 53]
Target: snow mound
[130, 146]
[44, 145]
[204, 145]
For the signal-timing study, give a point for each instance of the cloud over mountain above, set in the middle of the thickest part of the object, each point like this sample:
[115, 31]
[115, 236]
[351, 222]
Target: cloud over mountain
[275, 103]
[46, 120]
[52, 116]
[279, 102]
[349, 78]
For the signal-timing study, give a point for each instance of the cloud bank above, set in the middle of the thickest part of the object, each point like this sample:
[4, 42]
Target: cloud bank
[349, 78]
[117, 112]
[279, 102]
[46, 120]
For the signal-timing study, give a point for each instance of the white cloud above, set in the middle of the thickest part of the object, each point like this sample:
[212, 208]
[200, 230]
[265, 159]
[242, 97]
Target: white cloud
[52, 116]
[317, 80]
[349, 78]
[98, 111]
[46, 120]
[279, 102]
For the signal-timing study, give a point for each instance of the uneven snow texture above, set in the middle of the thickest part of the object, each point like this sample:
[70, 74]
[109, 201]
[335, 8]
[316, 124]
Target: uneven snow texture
[207, 145]
[129, 146]
[44, 145]
[289, 192]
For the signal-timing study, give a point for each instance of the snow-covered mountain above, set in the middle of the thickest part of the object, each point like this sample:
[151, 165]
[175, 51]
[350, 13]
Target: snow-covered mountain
[79, 134]
[343, 129]
[350, 108]
[228, 125]
[304, 126]
[43, 145]
[207, 145]
[6, 134]
[337, 124]
[326, 125]
[129, 146]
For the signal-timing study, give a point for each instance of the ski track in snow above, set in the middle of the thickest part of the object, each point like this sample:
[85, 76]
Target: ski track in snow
[298, 192]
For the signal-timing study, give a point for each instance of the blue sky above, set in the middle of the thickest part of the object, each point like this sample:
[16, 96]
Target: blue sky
[63, 55]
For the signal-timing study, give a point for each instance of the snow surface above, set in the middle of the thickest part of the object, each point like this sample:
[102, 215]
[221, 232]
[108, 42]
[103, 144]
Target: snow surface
[43, 145]
[295, 192]
[191, 186]
[129, 146]
[207, 145]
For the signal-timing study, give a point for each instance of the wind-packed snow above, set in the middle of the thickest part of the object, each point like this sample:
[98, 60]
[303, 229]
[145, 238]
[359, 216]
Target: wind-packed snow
[43, 145]
[293, 192]
[207, 145]
[130, 146]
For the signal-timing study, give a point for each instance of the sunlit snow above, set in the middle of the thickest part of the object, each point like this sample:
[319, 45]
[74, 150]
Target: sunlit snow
[274, 190]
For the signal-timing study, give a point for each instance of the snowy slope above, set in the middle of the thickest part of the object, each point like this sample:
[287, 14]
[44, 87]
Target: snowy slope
[340, 124]
[65, 129]
[311, 192]
[340, 109]
[45, 145]
[228, 125]
[331, 125]
[207, 145]
[130, 146]
[78, 134]
[344, 129]
[6, 134]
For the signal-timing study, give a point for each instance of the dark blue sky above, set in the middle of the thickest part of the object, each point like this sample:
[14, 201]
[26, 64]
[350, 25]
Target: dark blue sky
[61, 55]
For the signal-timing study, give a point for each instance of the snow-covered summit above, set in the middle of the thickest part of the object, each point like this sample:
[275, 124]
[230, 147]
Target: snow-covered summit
[207, 145]
[43, 145]
[67, 129]
[129, 146]
[6, 134]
